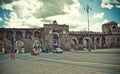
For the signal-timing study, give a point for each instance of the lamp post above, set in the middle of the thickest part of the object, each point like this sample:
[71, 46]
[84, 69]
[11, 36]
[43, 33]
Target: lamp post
[87, 9]
[13, 42]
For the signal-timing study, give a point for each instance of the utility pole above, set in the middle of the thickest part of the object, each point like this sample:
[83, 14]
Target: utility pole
[13, 44]
[87, 9]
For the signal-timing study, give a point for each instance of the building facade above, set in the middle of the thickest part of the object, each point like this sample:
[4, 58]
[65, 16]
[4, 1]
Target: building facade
[58, 35]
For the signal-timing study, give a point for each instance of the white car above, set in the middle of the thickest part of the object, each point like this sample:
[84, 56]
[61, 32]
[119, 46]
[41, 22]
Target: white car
[57, 50]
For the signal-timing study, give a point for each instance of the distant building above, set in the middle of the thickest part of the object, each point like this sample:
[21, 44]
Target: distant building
[57, 35]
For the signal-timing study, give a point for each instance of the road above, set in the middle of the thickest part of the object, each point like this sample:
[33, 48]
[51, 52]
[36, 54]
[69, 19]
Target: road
[68, 62]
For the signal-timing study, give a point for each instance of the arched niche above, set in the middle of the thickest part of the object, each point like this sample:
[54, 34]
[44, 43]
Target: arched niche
[103, 41]
[19, 34]
[37, 34]
[28, 35]
[37, 45]
[97, 42]
[19, 46]
[55, 43]
[1, 35]
[9, 35]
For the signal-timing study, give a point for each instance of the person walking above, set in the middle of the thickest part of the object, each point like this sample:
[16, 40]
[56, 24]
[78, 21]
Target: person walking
[12, 55]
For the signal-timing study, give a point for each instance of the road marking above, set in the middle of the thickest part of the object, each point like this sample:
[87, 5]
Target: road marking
[78, 63]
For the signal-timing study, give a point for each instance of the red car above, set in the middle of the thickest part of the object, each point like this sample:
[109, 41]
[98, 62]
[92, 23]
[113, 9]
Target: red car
[34, 53]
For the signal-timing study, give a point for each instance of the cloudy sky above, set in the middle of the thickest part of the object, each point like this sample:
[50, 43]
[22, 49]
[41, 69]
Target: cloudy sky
[35, 13]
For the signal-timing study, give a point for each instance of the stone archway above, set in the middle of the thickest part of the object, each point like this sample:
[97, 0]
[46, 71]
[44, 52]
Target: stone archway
[87, 43]
[1, 35]
[97, 42]
[80, 44]
[37, 45]
[19, 46]
[80, 40]
[2, 49]
[103, 41]
[56, 42]
[73, 44]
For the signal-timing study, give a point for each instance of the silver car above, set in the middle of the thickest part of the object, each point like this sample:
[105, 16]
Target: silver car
[57, 50]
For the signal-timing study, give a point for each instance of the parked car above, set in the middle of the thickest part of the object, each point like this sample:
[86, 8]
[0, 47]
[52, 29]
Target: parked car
[45, 50]
[57, 50]
[34, 53]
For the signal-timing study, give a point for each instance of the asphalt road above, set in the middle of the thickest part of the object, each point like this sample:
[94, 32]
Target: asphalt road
[94, 62]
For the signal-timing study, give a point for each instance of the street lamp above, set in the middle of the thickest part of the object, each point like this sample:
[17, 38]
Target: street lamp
[87, 9]
[13, 41]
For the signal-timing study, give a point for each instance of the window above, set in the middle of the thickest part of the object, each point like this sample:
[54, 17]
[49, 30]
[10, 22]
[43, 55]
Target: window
[114, 28]
[9, 35]
[36, 34]
[55, 40]
[80, 41]
[28, 35]
[19, 34]
[1, 35]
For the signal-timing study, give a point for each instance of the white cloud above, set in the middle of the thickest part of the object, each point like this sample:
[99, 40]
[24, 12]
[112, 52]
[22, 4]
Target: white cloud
[118, 24]
[23, 15]
[16, 22]
[97, 27]
[117, 6]
[72, 18]
[105, 21]
[109, 3]
[23, 7]
[7, 6]
[98, 15]
[53, 8]
[0, 19]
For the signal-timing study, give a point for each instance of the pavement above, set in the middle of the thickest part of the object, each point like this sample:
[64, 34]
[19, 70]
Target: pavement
[81, 62]
[29, 67]
[108, 50]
